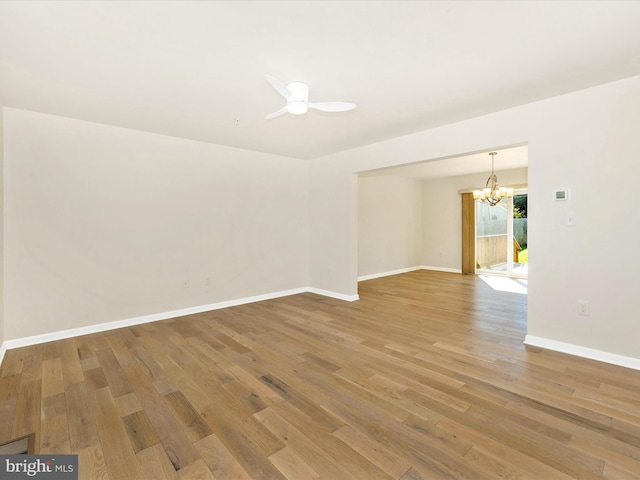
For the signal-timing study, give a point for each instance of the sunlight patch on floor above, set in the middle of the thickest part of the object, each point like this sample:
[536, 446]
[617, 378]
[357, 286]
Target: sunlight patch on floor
[505, 284]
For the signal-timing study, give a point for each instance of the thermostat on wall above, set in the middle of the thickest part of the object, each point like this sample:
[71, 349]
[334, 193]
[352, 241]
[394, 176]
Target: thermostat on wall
[560, 195]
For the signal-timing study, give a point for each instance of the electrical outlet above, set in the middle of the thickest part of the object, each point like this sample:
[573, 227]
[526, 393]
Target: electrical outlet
[185, 284]
[583, 308]
[207, 281]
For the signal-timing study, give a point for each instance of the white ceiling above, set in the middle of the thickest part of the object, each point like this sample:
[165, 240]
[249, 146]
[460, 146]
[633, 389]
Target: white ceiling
[196, 69]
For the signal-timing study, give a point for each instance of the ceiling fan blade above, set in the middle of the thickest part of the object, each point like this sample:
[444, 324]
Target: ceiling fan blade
[333, 106]
[280, 87]
[276, 114]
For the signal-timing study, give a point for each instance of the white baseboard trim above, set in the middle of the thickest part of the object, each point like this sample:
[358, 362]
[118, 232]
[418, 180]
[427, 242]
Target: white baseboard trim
[129, 322]
[583, 352]
[442, 269]
[339, 296]
[387, 274]
[3, 350]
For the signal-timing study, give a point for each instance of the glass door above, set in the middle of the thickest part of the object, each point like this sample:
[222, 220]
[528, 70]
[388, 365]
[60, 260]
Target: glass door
[501, 237]
[520, 251]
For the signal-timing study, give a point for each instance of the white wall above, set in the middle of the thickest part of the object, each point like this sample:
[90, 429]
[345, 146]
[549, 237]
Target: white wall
[105, 223]
[333, 225]
[442, 215]
[587, 141]
[2, 303]
[389, 224]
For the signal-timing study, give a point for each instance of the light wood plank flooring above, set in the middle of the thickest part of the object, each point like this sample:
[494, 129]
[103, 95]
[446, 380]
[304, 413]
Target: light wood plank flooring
[425, 377]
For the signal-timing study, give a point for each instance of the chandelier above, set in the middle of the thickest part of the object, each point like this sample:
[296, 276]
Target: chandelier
[492, 193]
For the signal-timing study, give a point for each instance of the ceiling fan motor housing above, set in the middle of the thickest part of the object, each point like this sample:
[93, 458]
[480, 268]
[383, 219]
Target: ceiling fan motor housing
[300, 92]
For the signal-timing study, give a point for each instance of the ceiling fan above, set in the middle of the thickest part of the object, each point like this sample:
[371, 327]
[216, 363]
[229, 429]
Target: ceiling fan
[297, 95]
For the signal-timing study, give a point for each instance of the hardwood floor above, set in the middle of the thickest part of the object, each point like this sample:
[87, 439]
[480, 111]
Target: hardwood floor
[425, 377]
